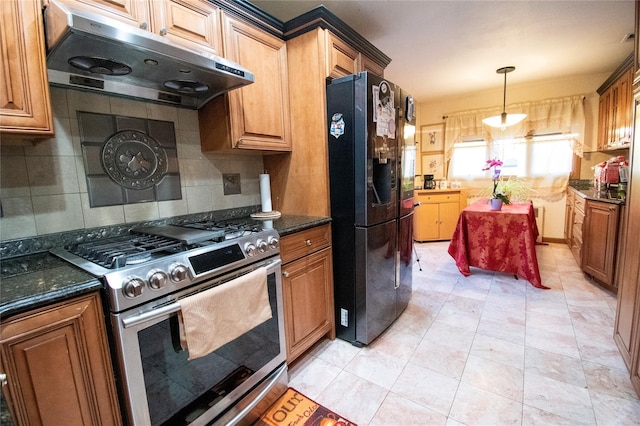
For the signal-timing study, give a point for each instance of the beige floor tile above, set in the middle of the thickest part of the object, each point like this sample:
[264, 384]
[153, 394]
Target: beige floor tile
[426, 387]
[482, 350]
[312, 375]
[353, 398]
[475, 406]
[498, 350]
[376, 367]
[563, 399]
[494, 377]
[554, 366]
[399, 411]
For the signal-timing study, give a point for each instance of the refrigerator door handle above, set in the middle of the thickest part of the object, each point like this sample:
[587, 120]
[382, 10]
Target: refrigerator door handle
[376, 194]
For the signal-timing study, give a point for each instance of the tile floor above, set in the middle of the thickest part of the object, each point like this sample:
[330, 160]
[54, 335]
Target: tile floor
[482, 350]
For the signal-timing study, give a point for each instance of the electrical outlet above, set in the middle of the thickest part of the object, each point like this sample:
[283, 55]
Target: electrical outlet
[231, 183]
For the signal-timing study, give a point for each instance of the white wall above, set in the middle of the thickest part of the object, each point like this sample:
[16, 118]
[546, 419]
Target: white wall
[43, 188]
[432, 112]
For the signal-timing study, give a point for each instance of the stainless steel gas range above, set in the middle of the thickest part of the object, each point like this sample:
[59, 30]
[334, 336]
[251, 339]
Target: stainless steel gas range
[145, 274]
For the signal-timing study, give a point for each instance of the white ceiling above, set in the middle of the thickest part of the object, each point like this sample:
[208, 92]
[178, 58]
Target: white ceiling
[445, 48]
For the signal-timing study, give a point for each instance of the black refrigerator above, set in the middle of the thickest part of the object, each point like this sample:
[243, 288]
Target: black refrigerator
[371, 210]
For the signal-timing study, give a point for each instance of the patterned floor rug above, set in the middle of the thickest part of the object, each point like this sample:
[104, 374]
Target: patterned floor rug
[295, 409]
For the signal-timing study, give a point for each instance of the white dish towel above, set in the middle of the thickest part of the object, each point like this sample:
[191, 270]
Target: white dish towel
[214, 317]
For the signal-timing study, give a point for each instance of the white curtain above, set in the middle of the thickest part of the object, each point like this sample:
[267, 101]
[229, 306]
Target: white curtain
[553, 116]
[564, 115]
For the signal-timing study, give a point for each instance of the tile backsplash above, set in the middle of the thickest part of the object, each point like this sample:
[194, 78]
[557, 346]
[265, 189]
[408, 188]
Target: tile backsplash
[43, 187]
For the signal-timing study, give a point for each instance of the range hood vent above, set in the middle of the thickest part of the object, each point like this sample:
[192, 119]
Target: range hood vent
[92, 52]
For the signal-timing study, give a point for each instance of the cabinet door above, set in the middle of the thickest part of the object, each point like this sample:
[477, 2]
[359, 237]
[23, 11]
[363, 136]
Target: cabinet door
[58, 367]
[366, 64]
[426, 226]
[603, 120]
[449, 213]
[568, 218]
[25, 107]
[194, 24]
[308, 300]
[257, 116]
[342, 59]
[132, 12]
[625, 111]
[599, 240]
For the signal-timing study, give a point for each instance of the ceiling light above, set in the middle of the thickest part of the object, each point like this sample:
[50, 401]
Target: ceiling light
[503, 120]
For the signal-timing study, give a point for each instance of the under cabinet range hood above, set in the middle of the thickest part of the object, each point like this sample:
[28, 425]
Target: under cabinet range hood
[92, 52]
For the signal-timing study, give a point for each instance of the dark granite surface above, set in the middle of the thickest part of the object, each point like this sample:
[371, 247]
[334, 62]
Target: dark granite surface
[585, 189]
[38, 279]
[32, 281]
[289, 224]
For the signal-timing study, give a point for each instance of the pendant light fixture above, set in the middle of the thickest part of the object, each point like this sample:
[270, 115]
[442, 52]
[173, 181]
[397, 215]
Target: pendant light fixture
[503, 120]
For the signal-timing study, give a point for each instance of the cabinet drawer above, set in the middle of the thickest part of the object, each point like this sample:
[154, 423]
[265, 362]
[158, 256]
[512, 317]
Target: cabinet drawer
[438, 198]
[302, 243]
[579, 203]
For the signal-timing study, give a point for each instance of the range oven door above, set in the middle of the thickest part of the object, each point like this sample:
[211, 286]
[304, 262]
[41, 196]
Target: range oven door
[160, 386]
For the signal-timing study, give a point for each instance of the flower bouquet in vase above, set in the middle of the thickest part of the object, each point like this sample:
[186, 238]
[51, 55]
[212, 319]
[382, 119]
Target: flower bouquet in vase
[498, 195]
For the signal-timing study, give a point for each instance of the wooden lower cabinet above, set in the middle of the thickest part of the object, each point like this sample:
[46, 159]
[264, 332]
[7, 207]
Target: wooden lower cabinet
[57, 366]
[437, 215]
[574, 223]
[600, 240]
[307, 284]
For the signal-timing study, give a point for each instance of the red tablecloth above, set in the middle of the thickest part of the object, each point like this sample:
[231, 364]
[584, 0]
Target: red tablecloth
[503, 241]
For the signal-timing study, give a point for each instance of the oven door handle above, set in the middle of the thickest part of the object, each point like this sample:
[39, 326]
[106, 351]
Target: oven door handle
[172, 307]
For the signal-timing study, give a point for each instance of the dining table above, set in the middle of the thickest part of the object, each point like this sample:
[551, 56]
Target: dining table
[497, 240]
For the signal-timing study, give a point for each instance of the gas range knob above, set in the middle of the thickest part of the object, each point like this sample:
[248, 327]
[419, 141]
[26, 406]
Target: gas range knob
[262, 246]
[274, 243]
[179, 273]
[250, 249]
[133, 287]
[157, 279]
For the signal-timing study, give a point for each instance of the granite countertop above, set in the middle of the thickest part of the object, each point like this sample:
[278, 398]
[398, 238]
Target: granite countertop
[35, 280]
[588, 192]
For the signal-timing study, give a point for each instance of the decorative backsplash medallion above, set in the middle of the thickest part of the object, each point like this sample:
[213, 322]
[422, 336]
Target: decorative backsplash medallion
[128, 160]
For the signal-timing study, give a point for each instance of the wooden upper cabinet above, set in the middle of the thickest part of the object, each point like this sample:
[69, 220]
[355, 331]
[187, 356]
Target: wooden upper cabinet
[193, 24]
[367, 64]
[615, 112]
[257, 116]
[132, 12]
[342, 59]
[25, 108]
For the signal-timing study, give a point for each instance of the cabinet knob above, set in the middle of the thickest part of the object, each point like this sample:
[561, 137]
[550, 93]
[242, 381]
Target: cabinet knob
[286, 274]
[144, 25]
[3, 379]
[308, 242]
[163, 32]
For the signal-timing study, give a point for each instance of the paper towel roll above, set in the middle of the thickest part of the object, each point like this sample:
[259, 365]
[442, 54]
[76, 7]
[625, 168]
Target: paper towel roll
[265, 193]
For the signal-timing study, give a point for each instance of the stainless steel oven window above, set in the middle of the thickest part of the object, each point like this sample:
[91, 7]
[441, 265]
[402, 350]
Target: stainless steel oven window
[162, 387]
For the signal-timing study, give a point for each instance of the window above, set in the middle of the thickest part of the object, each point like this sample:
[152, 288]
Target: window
[541, 160]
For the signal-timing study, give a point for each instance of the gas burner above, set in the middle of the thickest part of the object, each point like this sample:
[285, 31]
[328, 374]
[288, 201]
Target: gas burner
[126, 250]
[232, 228]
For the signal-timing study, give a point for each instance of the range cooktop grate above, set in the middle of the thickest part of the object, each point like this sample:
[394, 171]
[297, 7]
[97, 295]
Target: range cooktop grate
[117, 252]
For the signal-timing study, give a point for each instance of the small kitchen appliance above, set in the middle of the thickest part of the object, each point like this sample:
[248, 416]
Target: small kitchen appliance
[429, 183]
[145, 274]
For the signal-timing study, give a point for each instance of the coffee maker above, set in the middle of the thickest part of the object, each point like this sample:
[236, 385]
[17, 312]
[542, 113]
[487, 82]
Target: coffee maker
[429, 183]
